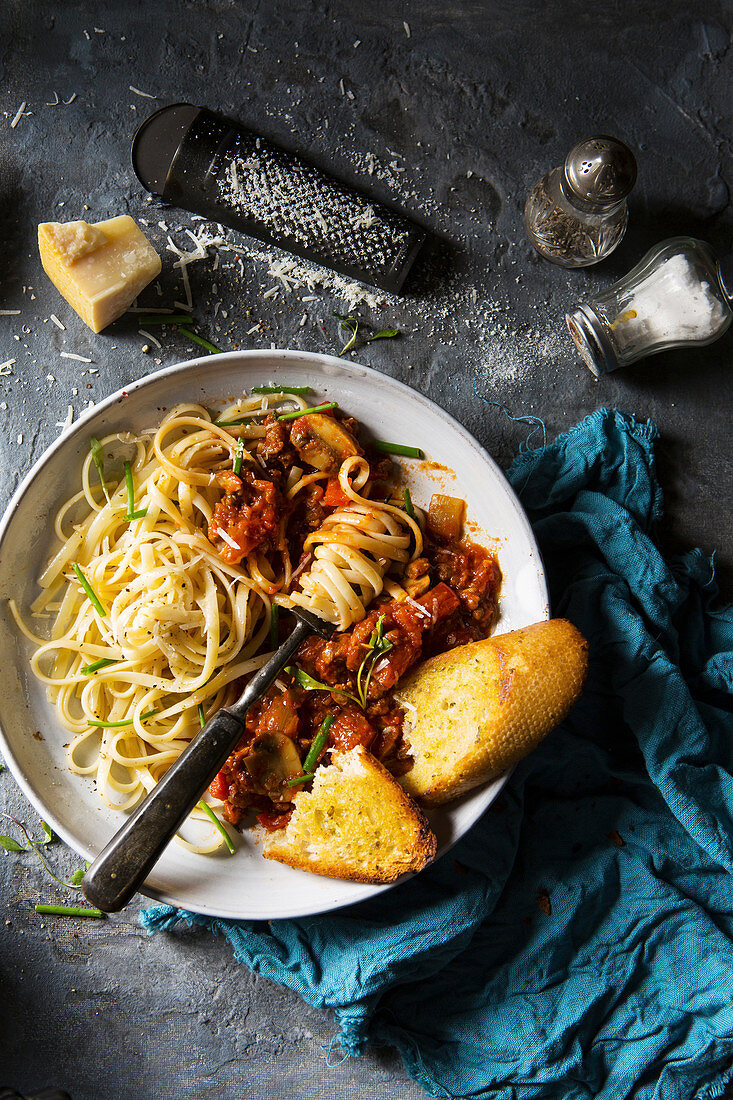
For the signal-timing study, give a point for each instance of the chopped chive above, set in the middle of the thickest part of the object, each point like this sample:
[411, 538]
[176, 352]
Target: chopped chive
[166, 319]
[124, 722]
[281, 389]
[69, 911]
[319, 741]
[408, 503]
[304, 412]
[91, 594]
[300, 779]
[199, 340]
[215, 821]
[238, 456]
[397, 449]
[274, 624]
[202, 715]
[232, 423]
[131, 513]
[103, 662]
[98, 460]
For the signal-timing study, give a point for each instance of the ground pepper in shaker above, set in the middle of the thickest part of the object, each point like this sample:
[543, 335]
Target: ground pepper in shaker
[577, 214]
[677, 295]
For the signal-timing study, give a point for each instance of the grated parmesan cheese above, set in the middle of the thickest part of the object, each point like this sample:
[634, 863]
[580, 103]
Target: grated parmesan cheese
[68, 419]
[149, 336]
[145, 95]
[7, 367]
[79, 358]
[9, 312]
[228, 539]
[18, 115]
[56, 321]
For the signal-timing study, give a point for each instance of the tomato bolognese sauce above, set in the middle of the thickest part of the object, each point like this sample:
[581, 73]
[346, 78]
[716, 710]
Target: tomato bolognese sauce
[444, 597]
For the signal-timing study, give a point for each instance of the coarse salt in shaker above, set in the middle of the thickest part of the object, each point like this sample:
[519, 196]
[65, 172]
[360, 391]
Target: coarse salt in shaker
[577, 214]
[677, 295]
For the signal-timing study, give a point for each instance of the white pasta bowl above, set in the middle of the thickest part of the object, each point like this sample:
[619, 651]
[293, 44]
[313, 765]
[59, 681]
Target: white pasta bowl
[31, 739]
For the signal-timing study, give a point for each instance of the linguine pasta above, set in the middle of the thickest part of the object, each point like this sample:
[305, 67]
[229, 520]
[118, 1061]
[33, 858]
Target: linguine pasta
[152, 628]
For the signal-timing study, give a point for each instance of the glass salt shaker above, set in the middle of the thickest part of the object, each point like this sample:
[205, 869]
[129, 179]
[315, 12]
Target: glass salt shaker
[678, 295]
[577, 214]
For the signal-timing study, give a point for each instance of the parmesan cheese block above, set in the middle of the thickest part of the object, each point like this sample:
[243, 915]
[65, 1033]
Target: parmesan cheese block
[476, 710]
[99, 269]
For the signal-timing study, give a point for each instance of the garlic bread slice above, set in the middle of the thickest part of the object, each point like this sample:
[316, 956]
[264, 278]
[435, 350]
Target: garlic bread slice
[356, 823]
[476, 710]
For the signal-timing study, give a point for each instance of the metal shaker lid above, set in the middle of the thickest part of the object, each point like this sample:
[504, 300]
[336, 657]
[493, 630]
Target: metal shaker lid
[600, 171]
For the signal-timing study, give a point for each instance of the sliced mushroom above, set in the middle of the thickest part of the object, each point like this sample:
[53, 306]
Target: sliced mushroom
[274, 759]
[322, 442]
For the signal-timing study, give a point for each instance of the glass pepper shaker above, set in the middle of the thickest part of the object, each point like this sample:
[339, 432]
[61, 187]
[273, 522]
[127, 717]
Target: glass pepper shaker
[677, 295]
[577, 214]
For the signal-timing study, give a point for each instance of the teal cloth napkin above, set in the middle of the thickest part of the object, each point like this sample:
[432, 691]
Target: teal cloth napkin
[578, 941]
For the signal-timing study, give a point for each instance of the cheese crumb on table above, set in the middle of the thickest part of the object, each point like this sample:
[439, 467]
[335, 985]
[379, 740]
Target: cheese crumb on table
[99, 269]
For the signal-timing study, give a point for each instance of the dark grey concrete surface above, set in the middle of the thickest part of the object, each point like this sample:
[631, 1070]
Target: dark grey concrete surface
[457, 115]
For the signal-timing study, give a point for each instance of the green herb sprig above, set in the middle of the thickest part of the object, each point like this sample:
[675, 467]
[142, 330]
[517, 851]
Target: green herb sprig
[211, 348]
[238, 456]
[131, 513]
[232, 423]
[98, 460]
[215, 821]
[307, 682]
[89, 591]
[69, 911]
[397, 449]
[313, 753]
[377, 647]
[103, 662]
[352, 324]
[408, 503]
[124, 722]
[205, 808]
[304, 412]
[12, 845]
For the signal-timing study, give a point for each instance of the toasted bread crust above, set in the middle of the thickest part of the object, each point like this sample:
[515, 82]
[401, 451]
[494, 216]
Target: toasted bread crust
[476, 710]
[357, 824]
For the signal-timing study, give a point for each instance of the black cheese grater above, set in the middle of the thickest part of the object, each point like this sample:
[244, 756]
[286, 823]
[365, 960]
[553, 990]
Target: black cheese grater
[212, 165]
